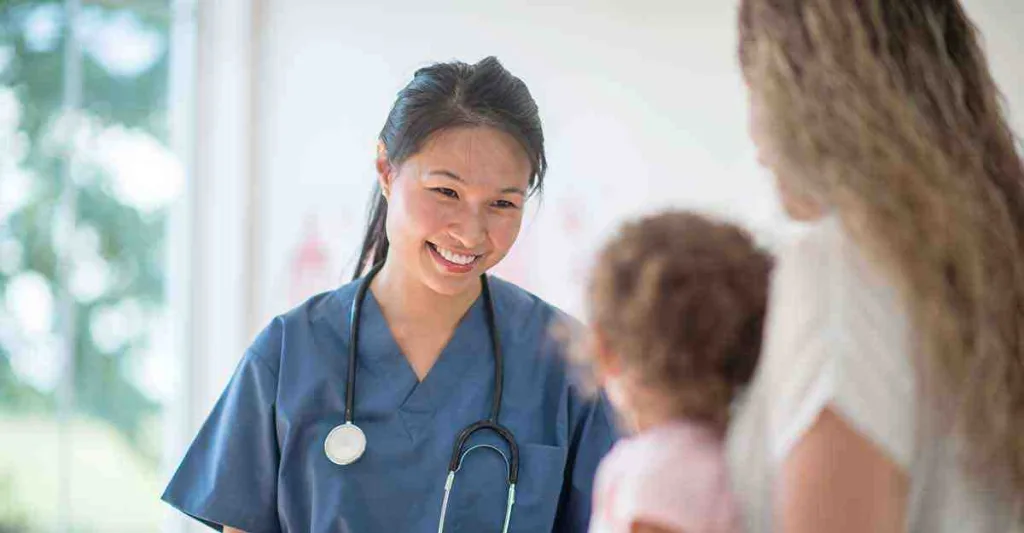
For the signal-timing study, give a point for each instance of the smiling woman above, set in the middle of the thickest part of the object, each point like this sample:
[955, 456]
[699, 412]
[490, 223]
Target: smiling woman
[450, 359]
[455, 205]
[455, 212]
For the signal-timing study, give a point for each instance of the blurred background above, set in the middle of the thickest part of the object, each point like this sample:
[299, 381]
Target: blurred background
[174, 173]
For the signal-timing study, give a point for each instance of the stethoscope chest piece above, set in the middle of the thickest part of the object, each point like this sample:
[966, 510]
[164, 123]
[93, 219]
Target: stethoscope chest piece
[345, 444]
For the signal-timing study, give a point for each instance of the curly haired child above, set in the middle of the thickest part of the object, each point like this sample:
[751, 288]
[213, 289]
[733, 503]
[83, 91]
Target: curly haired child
[676, 307]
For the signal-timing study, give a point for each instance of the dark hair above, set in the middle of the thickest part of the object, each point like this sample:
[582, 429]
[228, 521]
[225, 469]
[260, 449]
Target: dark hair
[681, 300]
[450, 95]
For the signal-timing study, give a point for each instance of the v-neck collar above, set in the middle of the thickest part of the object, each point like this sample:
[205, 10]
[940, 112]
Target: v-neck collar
[378, 351]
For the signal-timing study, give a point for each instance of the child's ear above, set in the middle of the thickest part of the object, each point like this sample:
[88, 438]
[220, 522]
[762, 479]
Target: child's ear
[606, 361]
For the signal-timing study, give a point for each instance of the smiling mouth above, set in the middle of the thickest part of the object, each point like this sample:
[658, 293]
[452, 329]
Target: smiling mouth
[456, 260]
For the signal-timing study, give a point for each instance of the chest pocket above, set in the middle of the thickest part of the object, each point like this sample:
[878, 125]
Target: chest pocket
[480, 494]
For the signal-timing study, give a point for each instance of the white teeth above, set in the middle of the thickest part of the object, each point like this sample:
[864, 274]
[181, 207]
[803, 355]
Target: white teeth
[458, 259]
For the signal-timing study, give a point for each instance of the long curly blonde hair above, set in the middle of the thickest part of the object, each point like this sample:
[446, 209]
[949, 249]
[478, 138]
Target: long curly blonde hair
[885, 112]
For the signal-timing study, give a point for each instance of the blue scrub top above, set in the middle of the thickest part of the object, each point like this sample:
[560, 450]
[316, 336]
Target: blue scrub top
[258, 462]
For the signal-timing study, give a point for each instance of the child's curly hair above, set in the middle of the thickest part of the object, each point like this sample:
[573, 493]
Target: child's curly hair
[680, 300]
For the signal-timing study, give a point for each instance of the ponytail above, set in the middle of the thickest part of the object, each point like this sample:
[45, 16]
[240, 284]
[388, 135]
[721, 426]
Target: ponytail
[375, 242]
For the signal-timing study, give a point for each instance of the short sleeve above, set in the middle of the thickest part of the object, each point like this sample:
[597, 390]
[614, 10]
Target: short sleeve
[837, 337]
[229, 473]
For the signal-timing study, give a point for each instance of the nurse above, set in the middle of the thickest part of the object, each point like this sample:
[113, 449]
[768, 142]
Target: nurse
[345, 415]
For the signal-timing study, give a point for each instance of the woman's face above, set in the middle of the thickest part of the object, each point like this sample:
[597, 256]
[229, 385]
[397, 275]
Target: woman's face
[455, 207]
[797, 206]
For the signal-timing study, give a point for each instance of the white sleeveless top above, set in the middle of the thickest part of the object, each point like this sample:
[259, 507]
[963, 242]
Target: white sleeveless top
[837, 336]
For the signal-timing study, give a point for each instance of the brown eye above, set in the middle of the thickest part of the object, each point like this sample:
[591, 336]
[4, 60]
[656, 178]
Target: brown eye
[446, 192]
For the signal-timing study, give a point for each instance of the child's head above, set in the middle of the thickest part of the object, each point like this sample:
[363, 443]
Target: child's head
[676, 304]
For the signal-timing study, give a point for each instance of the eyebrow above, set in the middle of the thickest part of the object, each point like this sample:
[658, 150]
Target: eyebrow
[451, 175]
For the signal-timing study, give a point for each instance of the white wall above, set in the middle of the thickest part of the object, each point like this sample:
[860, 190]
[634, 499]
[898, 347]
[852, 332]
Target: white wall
[642, 102]
[1002, 27]
[642, 107]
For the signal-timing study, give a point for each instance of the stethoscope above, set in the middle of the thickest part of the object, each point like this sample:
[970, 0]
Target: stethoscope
[346, 443]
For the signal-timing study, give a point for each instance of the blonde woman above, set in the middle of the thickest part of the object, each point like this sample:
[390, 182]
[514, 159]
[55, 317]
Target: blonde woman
[891, 392]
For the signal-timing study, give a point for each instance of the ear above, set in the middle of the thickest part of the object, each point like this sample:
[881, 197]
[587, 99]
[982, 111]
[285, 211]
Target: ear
[606, 361]
[385, 171]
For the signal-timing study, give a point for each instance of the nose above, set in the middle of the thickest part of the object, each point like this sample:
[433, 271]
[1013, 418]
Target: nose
[469, 227]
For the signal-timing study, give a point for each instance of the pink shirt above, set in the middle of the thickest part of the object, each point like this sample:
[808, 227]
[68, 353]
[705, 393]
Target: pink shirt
[674, 476]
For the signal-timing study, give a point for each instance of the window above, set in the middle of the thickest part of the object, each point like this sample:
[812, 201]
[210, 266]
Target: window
[87, 184]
